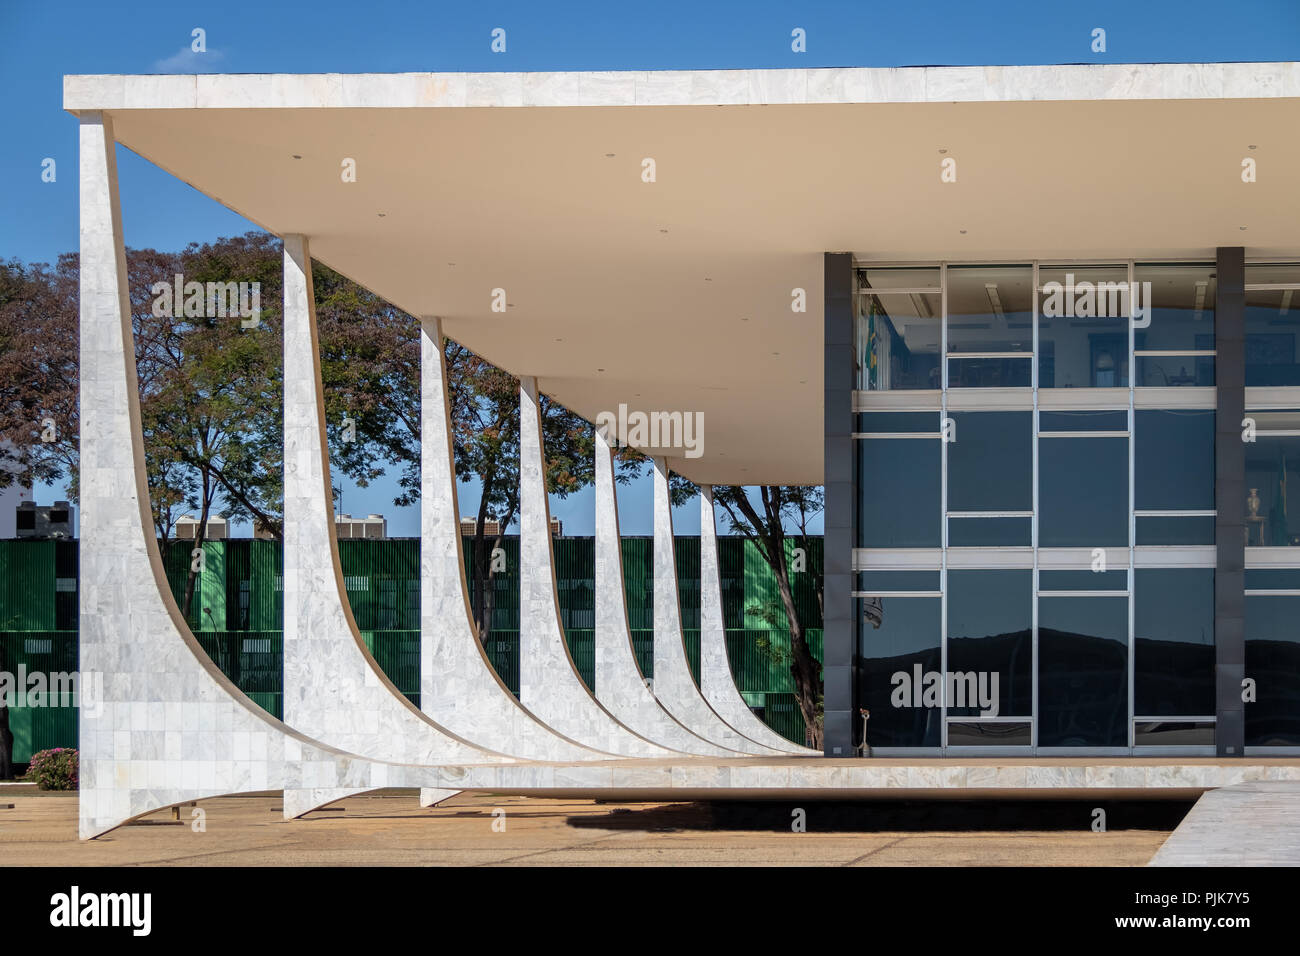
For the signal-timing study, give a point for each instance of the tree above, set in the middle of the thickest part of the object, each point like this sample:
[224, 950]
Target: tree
[783, 505]
[38, 371]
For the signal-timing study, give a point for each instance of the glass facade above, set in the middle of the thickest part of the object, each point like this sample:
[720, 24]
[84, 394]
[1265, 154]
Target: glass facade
[1036, 543]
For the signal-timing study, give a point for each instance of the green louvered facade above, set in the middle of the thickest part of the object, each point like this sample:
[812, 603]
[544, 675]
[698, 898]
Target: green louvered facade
[237, 607]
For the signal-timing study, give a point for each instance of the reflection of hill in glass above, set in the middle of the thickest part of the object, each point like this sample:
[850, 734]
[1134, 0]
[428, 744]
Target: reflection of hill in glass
[1273, 720]
[1173, 678]
[1083, 687]
[1082, 690]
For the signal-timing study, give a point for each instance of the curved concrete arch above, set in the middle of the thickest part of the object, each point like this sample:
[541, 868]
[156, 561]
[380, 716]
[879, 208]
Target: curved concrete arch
[458, 686]
[674, 685]
[549, 684]
[717, 683]
[334, 691]
[620, 685]
[168, 727]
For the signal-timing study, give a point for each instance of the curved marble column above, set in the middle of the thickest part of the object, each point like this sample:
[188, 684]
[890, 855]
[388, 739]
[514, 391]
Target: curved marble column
[458, 686]
[620, 685]
[334, 691]
[168, 726]
[674, 685]
[717, 683]
[549, 684]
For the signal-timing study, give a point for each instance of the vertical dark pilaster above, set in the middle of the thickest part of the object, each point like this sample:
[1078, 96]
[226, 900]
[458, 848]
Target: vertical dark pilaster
[840, 628]
[1230, 502]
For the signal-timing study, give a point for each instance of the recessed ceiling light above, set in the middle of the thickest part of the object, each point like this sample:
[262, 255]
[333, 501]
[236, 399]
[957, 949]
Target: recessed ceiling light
[663, 230]
[707, 279]
[296, 156]
[943, 150]
[962, 231]
[1242, 228]
[382, 215]
[600, 370]
[1251, 146]
[609, 155]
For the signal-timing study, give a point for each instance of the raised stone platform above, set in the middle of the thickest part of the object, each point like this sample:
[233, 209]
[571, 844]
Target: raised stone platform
[760, 778]
[1248, 824]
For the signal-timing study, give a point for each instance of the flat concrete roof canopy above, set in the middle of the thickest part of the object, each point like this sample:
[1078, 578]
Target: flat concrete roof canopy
[676, 295]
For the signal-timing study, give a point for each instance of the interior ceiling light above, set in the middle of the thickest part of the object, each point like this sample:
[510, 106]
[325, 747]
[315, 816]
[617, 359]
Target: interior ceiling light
[1286, 301]
[1200, 299]
[921, 306]
[992, 289]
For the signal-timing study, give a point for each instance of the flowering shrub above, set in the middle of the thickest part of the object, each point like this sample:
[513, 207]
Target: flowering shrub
[54, 769]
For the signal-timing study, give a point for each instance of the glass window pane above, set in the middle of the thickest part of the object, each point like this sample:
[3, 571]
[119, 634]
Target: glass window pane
[898, 342]
[1272, 326]
[1273, 662]
[1083, 327]
[1083, 421]
[904, 277]
[1173, 733]
[1166, 530]
[990, 310]
[1174, 460]
[1082, 492]
[1083, 672]
[1181, 314]
[1173, 626]
[991, 462]
[1272, 579]
[914, 422]
[1272, 473]
[905, 642]
[989, 734]
[898, 581]
[990, 644]
[990, 532]
[1170, 371]
[1083, 580]
[899, 493]
[989, 373]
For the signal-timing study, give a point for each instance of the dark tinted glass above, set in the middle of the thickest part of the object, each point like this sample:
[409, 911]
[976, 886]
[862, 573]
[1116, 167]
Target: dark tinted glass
[1273, 663]
[1083, 580]
[1082, 492]
[989, 734]
[1273, 579]
[898, 422]
[898, 581]
[991, 462]
[1174, 460]
[1083, 421]
[1083, 672]
[906, 643]
[1173, 625]
[1171, 733]
[990, 619]
[1163, 530]
[989, 532]
[898, 493]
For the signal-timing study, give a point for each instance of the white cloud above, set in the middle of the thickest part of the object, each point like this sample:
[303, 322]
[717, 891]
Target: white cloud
[186, 60]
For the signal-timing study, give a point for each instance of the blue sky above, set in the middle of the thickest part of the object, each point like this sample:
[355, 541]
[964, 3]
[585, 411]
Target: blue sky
[39, 42]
